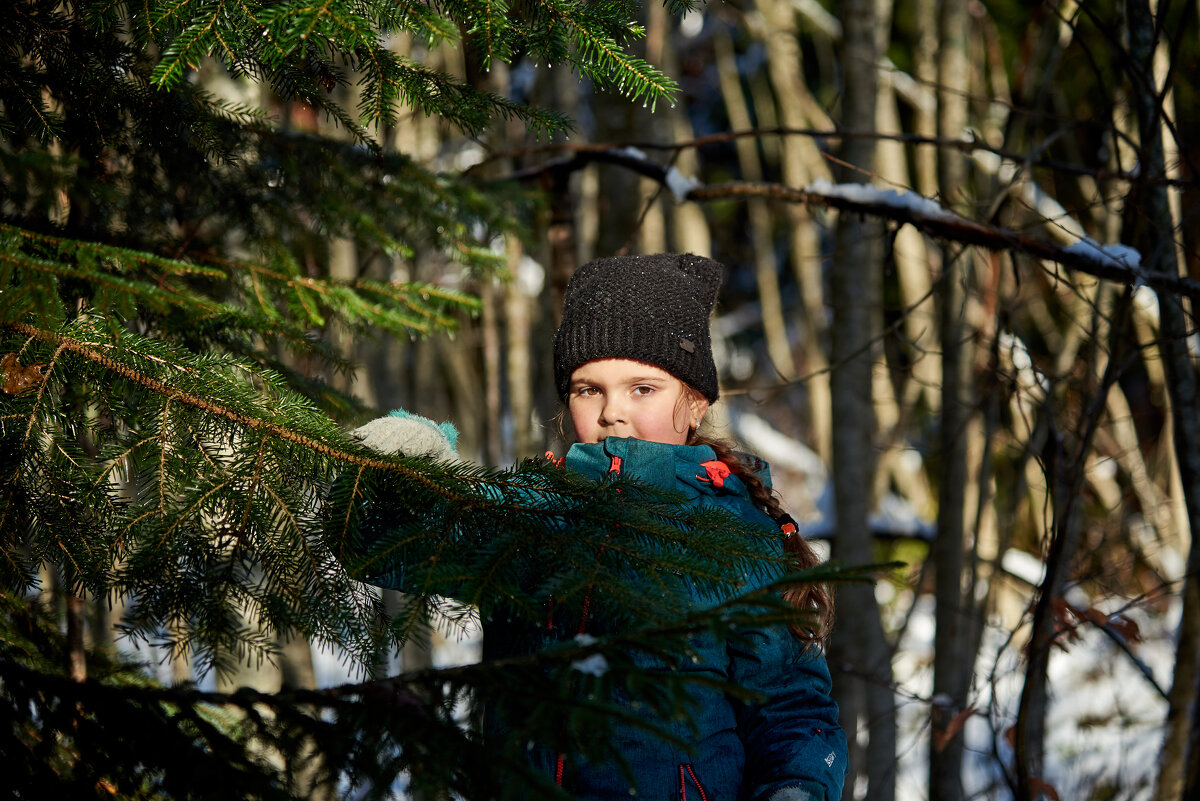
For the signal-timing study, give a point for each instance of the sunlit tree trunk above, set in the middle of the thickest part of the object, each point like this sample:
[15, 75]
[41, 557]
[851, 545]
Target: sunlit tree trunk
[518, 312]
[910, 260]
[761, 224]
[689, 230]
[801, 164]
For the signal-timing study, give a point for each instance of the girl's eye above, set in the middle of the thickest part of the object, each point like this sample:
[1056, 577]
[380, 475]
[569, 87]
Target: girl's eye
[588, 392]
[643, 390]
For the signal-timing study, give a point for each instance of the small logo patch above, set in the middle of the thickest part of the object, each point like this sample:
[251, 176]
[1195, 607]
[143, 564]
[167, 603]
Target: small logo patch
[829, 759]
[687, 345]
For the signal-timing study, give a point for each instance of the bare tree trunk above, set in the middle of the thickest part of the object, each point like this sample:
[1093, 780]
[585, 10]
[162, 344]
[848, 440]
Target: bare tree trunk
[925, 69]
[689, 231]
[951, 665]
[802, 163]
[856, 309]
[761, 225]
[1181, 750]
[518, 309]
[493, 444]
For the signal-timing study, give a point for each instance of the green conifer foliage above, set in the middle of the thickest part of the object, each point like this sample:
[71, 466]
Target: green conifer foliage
[160, 248]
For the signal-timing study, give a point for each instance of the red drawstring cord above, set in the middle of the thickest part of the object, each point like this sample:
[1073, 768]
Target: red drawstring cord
[695, 781]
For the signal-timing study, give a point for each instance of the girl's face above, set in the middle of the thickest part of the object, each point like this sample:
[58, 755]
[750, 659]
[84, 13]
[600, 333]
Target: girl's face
[625, 398]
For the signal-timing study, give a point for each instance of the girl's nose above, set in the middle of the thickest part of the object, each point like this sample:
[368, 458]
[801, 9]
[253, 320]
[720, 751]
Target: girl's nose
[613, 411]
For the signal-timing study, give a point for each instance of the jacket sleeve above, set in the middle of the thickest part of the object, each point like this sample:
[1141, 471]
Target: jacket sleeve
[795, 748]
[429, 548]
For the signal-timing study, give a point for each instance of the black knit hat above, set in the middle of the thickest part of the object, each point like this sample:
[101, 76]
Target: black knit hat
[652, 309]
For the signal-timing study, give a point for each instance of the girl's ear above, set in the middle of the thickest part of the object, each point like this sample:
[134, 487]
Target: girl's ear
[697, 407]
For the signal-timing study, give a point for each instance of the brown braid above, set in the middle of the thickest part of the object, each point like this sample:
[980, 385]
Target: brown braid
[809, 597]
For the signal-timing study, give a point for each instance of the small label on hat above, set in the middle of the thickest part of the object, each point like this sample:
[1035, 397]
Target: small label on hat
[687, 345]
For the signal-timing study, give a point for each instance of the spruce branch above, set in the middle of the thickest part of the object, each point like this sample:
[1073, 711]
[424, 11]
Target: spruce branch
[605, 61]
[132, 284]
[121, 362]
[204, 503]
[365, 734]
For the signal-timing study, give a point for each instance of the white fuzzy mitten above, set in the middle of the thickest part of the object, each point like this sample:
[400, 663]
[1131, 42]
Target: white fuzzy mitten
[791, 794]
[407, 434]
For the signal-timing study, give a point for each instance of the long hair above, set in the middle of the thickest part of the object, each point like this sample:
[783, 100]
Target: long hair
[813, 598]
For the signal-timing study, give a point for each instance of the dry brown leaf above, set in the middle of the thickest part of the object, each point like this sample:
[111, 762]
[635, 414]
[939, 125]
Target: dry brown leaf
[1037, 787]
[1066, 619]
[20, 378]
[1127, 628]
[941, 738]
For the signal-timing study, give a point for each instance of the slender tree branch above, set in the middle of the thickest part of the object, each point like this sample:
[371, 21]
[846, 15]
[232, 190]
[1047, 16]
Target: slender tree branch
[939, 224]
[965, 145]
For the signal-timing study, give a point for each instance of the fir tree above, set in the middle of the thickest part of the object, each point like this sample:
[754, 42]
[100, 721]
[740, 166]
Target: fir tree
[163, 264]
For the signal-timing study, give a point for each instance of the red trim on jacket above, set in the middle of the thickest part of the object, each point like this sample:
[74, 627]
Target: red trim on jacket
[686, 771]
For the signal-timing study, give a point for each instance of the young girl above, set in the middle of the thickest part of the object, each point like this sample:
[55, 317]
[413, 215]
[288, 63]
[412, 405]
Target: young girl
[633, 364]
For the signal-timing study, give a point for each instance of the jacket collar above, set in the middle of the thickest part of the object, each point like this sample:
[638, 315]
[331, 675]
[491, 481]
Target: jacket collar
[656, 464]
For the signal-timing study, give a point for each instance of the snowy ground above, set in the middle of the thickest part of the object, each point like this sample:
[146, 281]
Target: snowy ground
[1104, 726]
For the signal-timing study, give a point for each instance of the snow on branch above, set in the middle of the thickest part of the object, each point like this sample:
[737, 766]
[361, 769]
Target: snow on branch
[1118, 263]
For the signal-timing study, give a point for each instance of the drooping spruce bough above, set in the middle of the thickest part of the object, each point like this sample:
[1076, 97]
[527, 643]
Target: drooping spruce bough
[164, 269]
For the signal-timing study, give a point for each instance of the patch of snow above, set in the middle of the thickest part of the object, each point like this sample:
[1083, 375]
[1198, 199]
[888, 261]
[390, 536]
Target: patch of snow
[762, 438]
[680, 184]
[1023, 565]
[1107, 255]
[897, 516]
[1103, 725]
[1146, 301]
[531, 276]
[866, 194]
[594, 665]
[691, 23]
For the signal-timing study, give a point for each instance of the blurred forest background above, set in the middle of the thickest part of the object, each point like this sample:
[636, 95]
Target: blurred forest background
[963, 258]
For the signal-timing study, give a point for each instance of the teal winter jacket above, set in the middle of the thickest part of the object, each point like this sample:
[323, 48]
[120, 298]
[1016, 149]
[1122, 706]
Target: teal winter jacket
[788, 746]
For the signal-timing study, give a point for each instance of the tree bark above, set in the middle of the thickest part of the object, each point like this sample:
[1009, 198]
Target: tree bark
[779, 350]
[1181, 749]
[856, 309]
[518, 313]
[951, 666]
[802, 163]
